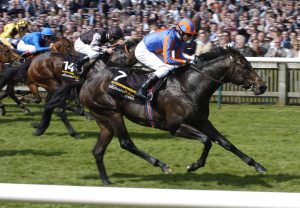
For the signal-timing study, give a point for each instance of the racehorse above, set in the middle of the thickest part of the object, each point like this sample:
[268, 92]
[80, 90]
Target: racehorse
[10, 57]
[181, 107]
[18, 73]
[46, 71]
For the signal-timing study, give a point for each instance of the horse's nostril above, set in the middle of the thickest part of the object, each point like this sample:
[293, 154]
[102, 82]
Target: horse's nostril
[263, 88]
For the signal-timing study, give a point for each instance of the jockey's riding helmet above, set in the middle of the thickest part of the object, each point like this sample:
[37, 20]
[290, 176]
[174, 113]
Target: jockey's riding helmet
[116, 33]
[186, 26]
[47, 32]
[22, 23]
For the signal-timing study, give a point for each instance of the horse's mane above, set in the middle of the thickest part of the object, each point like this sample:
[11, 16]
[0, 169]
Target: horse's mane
[217, 52]
[129, 43]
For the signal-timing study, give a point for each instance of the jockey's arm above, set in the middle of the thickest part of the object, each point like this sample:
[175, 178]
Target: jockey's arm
[39, 48]
[7, 34]
[167, 53]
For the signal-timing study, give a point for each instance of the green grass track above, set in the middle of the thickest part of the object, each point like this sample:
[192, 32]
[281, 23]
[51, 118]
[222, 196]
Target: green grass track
[268, 133]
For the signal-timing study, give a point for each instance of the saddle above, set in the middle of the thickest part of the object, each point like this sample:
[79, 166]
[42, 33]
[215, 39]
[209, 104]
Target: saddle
[127, 81]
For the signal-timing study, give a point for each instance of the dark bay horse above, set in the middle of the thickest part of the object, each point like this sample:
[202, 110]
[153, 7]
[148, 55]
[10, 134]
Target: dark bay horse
[46, 71]
[10, 75]
[182, 107]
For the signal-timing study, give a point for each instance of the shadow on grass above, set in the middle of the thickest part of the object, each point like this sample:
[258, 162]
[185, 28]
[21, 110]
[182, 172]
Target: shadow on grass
[8, 119]
[220, 178]
[95, 135]
[5, 153]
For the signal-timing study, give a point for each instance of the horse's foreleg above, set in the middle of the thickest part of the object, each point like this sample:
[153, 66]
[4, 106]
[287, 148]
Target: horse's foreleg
[190, 132]
[103, 141]
[212, 132]
[45, 120]
[127, 143]
[63, 116]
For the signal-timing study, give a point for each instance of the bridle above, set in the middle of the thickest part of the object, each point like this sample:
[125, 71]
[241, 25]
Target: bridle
[195, 68]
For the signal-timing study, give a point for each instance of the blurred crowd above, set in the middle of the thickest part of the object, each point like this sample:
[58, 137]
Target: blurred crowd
[256, 28]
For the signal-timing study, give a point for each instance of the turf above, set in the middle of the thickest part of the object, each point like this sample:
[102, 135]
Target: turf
[268, 133]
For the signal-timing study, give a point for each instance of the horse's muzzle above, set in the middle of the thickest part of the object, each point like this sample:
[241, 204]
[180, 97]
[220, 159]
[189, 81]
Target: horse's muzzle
[258, 90]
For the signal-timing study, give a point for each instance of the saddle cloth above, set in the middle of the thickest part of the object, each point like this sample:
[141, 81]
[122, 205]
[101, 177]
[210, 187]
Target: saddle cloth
[127, 81]
[68, 70]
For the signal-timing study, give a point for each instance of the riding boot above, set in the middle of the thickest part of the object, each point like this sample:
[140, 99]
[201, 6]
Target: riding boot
[26, 54]
[79, 70]
[142, 92]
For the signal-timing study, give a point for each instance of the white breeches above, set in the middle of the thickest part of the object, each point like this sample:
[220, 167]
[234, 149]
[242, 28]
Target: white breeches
[152, 60]
[85, 49]
[25, 47]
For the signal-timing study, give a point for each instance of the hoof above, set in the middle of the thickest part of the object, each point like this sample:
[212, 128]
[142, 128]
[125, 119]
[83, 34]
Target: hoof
[166, 169]
[75, 135]
[27, 111]
[106, 182]
[191, 168]
[259, 168]
[39, 132]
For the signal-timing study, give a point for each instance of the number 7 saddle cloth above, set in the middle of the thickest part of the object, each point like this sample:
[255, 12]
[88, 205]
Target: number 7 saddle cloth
[126, 81]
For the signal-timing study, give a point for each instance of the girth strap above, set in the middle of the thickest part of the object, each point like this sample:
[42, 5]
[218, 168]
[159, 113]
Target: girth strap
[148, 110]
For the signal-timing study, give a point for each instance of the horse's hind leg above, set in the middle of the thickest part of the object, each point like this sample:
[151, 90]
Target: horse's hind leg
[35, 91]
[11, 92]
[190, 132]
[2, 106]
[63, 116]
[127, 144]
[210, 130]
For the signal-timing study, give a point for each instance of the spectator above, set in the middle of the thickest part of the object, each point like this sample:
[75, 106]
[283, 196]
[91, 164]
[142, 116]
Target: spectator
[213, 31]
[240, 45]
[277, 50]
[286, 40]
[258, 51]
[225, 40]
[203, 44]
[295, 51]
[263, 42]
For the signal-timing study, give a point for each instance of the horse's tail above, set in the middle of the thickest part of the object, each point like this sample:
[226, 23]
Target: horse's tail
[62, 94]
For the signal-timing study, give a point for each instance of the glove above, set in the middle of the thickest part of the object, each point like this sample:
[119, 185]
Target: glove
[96, 48]
[192, 62]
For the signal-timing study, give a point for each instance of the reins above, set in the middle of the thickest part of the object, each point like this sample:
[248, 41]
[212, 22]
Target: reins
[195, 68]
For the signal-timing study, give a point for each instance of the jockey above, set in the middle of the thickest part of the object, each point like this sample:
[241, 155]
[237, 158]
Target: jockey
[92, 43]
[11, 30]
[156, 51]
[36, 42]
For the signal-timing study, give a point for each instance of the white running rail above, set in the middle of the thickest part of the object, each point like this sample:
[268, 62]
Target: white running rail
[146, 197]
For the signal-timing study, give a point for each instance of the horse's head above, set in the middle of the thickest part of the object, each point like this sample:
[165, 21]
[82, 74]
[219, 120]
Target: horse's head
[124, 54]
[8, 55]
[64, 45]
[242, 73]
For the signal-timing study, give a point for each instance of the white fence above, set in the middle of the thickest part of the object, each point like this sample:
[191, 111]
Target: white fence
[146, 197]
